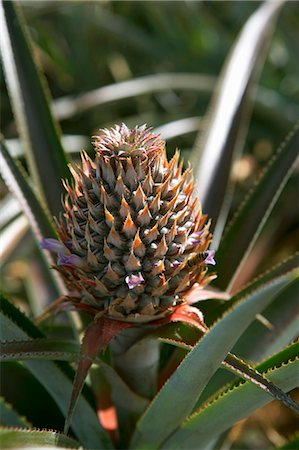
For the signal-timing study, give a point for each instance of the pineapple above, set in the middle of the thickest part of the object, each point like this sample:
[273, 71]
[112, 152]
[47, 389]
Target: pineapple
[133, 239]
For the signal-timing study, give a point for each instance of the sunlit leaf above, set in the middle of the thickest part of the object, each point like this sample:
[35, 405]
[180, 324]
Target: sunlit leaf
[68, 106]
[45, 155]
[85, 425]
[228, 408]
[19, 438]
[228, 116]
[187, 382]
[15, 179]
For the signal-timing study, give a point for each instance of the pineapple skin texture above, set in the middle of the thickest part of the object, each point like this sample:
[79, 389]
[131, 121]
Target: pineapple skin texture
[133, 239]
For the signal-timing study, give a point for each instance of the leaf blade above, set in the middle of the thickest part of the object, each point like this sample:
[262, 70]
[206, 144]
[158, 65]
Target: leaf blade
[241, 234]
[190, 378]
[16, 181]
[229, 408]
[14, 325]
[45, 154]
[228, 113]
[20, 438]
[9, 417]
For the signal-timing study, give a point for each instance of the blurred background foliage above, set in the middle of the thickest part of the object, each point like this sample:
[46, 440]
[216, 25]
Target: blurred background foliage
[83, 46]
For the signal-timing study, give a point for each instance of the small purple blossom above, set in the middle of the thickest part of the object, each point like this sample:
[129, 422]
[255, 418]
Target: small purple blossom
[175, 264]
[55, 246]
[209, 259]
[70, 260]
[194, 238]
[134, 280]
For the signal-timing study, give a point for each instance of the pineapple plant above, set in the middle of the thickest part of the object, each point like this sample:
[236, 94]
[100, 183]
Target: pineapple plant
[128, 257]
[133, 239]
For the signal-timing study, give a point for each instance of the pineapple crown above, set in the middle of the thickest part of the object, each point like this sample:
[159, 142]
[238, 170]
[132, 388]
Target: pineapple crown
[133, 240]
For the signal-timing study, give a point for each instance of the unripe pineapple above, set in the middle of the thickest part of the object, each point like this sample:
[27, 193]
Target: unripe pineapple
[133, 239]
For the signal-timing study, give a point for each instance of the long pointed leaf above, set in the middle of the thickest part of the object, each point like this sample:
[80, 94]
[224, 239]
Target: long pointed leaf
[258, 342]
[286, 354]
[20, 438]
[280, 269]
[9, 417]
[16, 181]
[220, 142]
[91, 345]
[43, 349]
[14, 325]
[41, 225]
[46, 158]
[243, 370]
[241, 233]
[54, 350]
[186, 384]
[229, 408]
[66, 107]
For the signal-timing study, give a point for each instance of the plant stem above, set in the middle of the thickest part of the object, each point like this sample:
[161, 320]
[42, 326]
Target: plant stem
[136, 360]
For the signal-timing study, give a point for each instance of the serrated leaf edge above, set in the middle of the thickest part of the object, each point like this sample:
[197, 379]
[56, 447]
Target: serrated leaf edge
[41, 431]
[10, 407]
[239, 298]
[280, 148]
[231, 387]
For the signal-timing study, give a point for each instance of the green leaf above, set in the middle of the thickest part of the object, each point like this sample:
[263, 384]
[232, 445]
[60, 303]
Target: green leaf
[16, 181]
[280, 269]
[43, 349]
[223, 378]
[54, 350]
[241, 234]
[228, 408]
[47, 161]
[9, 417]
[288, 353]
[85, 425]
[228, 114]
[20, 438]
[126, 398]
[42, 226]
[243, 370]
[186, 384]
[258, 342]
[66, 107]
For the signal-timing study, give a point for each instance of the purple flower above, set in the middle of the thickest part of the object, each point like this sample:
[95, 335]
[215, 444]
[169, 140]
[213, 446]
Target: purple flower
[55, 246]
[209, 259]
[175, 264]
[134, 280]
[194, 238]
[70, 260]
